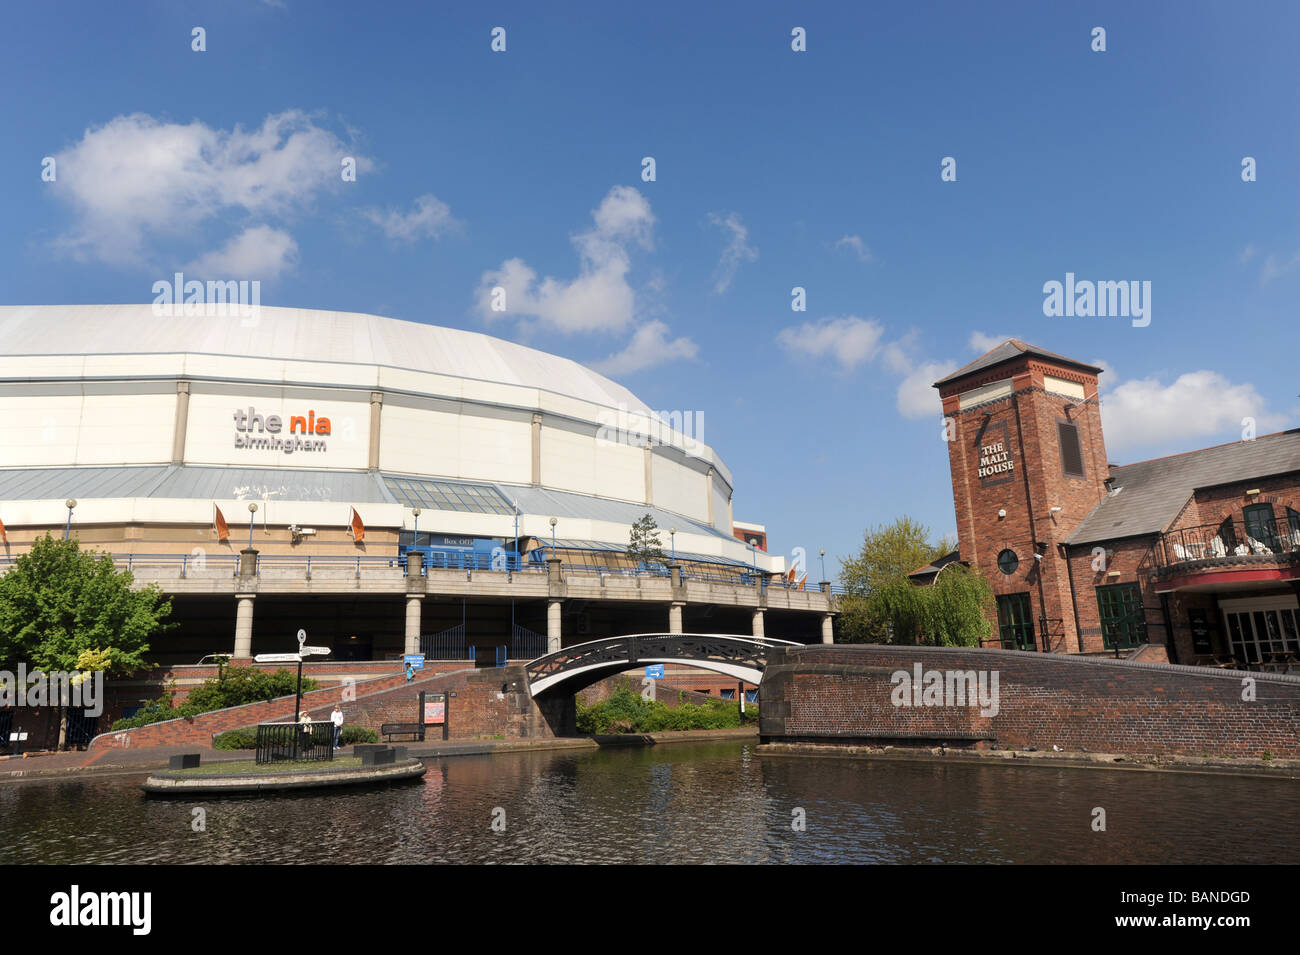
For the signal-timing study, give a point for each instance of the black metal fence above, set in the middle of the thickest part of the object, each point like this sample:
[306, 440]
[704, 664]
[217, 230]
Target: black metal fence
[6, 724]
[1232, 538]
[295, 741]
[446, 644]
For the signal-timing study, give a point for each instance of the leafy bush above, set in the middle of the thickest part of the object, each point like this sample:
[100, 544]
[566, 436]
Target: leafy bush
[627, 712]
[357, 734]
[239, 686]
[246, 738]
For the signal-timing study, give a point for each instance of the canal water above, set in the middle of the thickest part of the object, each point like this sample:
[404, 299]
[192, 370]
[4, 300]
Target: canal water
[685, 802]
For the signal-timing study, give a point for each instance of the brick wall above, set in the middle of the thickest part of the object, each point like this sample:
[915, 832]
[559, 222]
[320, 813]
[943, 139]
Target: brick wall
[843, 693]
[1025, 422]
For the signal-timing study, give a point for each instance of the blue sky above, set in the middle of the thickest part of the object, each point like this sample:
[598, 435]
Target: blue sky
[774, 169]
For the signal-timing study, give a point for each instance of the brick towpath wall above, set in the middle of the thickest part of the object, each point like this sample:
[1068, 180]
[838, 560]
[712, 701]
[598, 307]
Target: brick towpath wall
[843, 694]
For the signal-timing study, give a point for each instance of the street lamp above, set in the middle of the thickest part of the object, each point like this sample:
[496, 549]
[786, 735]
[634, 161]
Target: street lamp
[672, 535]
[252, 510]
[553, 523]
[70, 503]
[822, 555]
[515, 505]
[415, 539]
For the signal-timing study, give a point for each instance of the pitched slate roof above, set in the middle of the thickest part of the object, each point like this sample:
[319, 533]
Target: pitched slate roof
[1145, 497]
[1009, 349]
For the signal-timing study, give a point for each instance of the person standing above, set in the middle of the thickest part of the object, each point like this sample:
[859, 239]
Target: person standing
[337, 719]
[410, 672]
[304, 723]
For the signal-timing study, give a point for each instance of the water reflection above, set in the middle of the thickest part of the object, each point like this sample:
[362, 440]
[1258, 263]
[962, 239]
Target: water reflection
[679, 803]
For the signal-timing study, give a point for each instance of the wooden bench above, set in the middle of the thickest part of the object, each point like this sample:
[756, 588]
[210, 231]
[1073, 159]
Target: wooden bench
[415, 730]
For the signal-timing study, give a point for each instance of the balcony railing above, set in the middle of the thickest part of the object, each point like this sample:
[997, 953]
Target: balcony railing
[1229, 542]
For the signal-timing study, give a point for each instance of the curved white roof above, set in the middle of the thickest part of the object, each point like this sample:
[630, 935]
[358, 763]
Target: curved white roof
[302, 334]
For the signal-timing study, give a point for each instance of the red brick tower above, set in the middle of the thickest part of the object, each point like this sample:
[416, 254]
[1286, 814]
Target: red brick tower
[1028, 464]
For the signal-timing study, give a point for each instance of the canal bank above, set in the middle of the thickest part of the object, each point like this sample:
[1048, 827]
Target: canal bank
[117, 762]
[1281, 769]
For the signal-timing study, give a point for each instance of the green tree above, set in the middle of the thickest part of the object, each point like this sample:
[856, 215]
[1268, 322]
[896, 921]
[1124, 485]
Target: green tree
[950, 612]
[889, 553]
[60, 607]
[644, 545]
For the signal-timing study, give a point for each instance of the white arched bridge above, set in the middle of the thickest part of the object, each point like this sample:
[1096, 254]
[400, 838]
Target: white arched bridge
[575, 667]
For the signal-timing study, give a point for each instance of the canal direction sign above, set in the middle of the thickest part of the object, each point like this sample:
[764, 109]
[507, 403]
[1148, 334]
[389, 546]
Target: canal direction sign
[654, 672]
[278, 658]
[315, 651]
[416, 660]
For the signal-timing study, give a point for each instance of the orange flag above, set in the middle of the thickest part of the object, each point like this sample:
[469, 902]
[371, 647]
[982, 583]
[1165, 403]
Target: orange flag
[219, 524]
[356, 528]
[3, 536]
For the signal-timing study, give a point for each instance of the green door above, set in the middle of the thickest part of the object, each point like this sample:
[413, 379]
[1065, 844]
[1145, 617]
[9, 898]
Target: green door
[1123, 619]
[1015, 624]
[1261, 526]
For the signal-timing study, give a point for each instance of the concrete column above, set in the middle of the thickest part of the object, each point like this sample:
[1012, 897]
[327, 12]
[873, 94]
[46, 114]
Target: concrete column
[828, 628]
[376, 406]
[675, 616]
[537, 449]
[649, 457]
[553, 626]
[182, 421]
[412, 624]
[758, 623]
[708, 490]
[244, 627]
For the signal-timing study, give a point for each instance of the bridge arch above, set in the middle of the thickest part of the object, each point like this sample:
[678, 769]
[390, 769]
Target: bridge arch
[572, 668]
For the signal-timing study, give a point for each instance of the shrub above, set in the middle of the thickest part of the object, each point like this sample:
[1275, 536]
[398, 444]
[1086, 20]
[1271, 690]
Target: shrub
[240, 685]
[627, 712]
[246, 738]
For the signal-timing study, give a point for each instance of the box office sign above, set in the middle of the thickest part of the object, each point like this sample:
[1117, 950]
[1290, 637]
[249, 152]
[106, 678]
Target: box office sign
[995, 464]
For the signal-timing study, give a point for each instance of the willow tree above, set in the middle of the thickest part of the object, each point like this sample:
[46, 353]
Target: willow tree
[889, 553]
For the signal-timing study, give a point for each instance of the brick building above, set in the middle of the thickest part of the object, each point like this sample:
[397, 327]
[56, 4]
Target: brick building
[1192, 558]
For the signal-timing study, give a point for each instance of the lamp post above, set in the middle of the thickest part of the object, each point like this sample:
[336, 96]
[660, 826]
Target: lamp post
[553, 523]
[672, 535]
[515, 505]
[822, 555]
[415, 534]
[70, 503]
[252, 510]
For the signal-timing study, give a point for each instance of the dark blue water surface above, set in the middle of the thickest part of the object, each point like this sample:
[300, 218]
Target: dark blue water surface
[686, 802]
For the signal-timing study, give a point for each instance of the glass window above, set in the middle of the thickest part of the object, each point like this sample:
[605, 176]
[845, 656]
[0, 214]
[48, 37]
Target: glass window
[1015, 625]
[1123, 619]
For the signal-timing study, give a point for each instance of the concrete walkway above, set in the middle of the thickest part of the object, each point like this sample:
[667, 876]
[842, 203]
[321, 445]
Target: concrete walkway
[44, 765]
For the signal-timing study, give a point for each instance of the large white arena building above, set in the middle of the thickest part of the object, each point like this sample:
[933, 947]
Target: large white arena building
[514, 475]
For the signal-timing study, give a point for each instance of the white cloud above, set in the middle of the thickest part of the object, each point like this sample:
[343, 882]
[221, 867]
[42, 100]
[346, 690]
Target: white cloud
[1276, 268]
[859, 247]
[849, 341]
[599, 299]
[430, 218]
[917, 396]
[649, 347]
[981, 343]
[1246, 254]
[258, 253]
[1198, 404]
[737, 251]
[137, 179]
[1108, 378]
